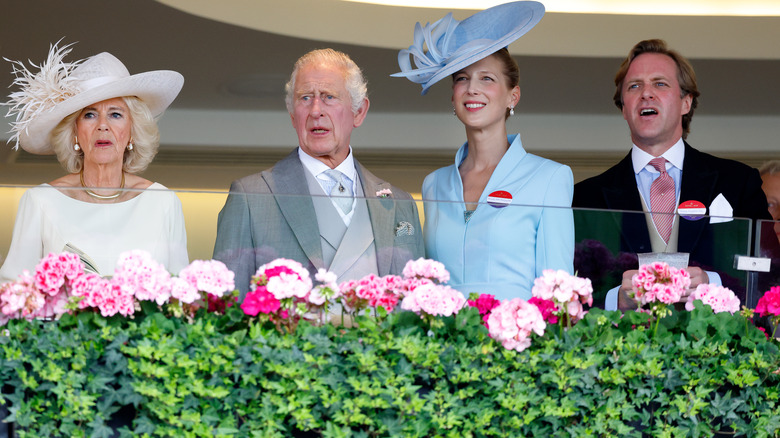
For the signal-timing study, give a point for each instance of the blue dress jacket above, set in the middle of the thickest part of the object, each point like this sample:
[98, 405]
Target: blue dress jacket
[501, 249]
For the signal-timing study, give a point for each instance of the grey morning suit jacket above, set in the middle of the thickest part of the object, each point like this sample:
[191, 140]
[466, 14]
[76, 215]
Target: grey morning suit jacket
[270, 215]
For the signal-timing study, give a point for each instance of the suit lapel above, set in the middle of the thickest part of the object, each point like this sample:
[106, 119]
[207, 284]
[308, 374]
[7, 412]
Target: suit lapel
[698, 183]
[288, 184]
[382, 214]
[622, 194]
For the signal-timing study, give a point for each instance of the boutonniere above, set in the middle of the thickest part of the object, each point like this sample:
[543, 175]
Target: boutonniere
[384, 193]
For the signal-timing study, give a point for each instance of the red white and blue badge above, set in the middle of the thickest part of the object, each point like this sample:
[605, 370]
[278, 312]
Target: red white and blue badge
[499, 199]
[692, 210]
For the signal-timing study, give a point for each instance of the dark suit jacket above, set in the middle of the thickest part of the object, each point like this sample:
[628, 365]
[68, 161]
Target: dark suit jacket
[704, 177]
[270, 215]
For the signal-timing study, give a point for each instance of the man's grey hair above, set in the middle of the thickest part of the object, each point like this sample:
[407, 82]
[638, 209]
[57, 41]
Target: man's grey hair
[354, 81]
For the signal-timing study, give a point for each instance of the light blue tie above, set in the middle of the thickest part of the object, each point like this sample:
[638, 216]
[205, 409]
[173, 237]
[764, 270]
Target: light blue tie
[341, 192]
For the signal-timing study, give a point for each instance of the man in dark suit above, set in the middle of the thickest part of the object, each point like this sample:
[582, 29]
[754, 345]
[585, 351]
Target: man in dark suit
[319, 206]
[657, 92]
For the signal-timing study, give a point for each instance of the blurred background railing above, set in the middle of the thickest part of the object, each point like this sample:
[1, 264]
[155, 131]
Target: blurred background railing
[601, 250]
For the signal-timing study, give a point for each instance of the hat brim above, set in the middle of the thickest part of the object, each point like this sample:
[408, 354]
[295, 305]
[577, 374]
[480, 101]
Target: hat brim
[503, 24]
[157, 89]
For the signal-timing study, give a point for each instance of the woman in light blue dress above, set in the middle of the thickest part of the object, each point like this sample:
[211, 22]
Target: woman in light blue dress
[498, 216]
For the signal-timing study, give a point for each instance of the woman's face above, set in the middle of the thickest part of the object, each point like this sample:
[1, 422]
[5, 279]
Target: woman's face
[103, 131]
[480, 94]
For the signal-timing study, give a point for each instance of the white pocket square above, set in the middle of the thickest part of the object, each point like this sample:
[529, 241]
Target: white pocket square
[720, 210]
[404, 228]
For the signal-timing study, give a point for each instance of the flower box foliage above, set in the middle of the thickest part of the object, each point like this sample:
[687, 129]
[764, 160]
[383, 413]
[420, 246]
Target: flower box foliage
[433, 372]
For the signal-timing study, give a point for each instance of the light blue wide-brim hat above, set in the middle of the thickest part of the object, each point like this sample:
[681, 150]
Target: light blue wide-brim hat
[453, 44]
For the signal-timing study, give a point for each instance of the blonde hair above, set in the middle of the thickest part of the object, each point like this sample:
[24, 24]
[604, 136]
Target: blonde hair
[144, 133]
[771, 167]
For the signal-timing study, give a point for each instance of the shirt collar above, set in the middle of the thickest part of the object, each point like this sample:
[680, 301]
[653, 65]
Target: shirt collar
[316, 167]
[674, 155]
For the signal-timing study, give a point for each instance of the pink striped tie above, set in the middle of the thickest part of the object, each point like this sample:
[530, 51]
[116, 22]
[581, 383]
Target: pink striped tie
[662, 199]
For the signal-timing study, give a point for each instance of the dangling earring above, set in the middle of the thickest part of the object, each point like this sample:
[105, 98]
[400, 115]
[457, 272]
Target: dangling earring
[511, 110]
[453, 111]
[130, 145]
[76, 146]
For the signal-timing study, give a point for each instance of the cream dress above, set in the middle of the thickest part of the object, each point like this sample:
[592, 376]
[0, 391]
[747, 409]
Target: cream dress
[48, 220]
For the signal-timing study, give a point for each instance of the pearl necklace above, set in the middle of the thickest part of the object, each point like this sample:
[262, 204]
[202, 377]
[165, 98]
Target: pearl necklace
[102, 197]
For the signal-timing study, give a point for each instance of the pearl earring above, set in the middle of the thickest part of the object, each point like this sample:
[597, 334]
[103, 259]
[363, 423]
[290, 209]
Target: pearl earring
[130, 146]
[511, 110]
[76, 147]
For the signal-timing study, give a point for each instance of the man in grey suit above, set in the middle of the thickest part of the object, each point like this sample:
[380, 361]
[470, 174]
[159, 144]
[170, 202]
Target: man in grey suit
[318, 205]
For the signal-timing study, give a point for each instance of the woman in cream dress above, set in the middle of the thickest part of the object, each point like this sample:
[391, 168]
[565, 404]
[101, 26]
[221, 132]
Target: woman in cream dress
[100, 122]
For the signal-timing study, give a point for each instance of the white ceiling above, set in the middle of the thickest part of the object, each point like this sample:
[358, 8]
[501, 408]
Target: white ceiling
[669, 7]
[558, 34]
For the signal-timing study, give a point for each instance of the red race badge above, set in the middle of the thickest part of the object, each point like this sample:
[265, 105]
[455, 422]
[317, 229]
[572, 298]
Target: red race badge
[692, 210]
[499, 199]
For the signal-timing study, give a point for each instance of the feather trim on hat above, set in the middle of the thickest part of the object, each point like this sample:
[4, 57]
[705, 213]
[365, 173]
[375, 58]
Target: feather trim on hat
[436, 38]
[42, 91]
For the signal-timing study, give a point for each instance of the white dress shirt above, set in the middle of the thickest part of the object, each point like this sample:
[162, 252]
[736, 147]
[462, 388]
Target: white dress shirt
[317, 168]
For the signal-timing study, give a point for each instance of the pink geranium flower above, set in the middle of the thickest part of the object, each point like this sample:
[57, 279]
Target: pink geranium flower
[372, 291]
[283, 290]
[117, 298]
[183, 290]
[512, 323]
[566, 292]
[21, 299]
[92, 288]
[410, 284]
[485, 303]
[426, 268]
[53, 307]
[209, 276]
[349, 296]
[148, 279]
[434, 300]
[719, 298]
[659, 282]
[769, 304]
[52, 271]
[284, 279]
[380, 291]
[326, 291]
[260, 301]
[547, 308]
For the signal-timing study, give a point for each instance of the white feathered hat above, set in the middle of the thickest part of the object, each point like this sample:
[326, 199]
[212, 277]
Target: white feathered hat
[60, 89]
